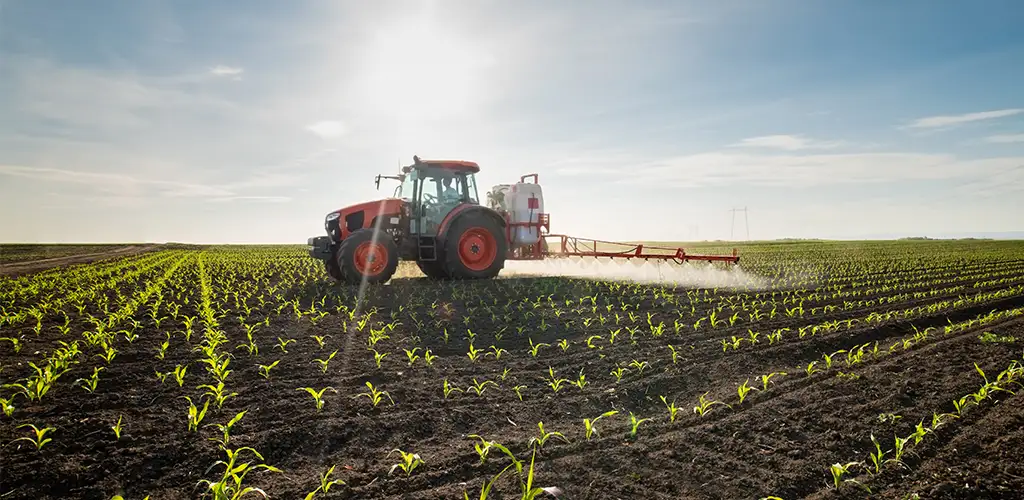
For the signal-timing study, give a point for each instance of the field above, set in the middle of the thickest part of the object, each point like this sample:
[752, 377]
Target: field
[852, 370]
[17, 259]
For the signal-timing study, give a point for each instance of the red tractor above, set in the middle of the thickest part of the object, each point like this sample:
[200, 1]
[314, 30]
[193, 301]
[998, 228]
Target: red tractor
[434, 218]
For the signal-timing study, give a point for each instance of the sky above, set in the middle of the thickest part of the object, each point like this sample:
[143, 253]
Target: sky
[249, 120]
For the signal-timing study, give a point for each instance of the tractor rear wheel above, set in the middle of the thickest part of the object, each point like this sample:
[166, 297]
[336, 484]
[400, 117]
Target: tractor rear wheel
[433, 269]
[475, 247]
[361, 258]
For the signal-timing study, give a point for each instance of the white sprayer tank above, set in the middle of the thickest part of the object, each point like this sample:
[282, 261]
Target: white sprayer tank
[523, 202]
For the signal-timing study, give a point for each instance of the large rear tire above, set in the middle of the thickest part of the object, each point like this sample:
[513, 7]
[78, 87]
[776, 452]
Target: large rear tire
[360, 258]
[433, 269]
[475, 247]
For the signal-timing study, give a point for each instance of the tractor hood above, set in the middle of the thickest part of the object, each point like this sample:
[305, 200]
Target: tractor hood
[384, 205]
[342, 222]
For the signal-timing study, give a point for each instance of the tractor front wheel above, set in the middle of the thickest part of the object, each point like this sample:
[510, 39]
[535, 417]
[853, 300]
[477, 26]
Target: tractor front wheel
[333, 269]
[360, 258]
[475, 247]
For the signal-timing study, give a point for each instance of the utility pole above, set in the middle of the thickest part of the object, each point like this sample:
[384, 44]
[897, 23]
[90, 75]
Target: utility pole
[746, 222]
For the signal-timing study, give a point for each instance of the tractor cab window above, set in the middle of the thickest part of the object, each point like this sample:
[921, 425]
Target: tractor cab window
[471, 193]
[441, 191]
[406, 189]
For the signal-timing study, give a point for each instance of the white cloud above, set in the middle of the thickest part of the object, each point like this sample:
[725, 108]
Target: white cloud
[266, 199]
[948, 120]
[222, 70]
[1005, 139]
[784, 142]
[723, 168]
[328, 129]
[125, 185]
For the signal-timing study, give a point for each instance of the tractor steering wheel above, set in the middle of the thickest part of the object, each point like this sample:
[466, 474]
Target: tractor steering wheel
[429, 200]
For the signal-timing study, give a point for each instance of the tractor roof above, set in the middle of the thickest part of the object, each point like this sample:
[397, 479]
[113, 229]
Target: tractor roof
[460, 166]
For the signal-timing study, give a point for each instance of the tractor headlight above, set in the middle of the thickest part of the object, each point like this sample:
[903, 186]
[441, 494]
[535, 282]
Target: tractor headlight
[333, 215]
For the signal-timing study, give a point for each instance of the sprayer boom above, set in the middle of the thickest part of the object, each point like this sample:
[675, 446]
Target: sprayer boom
[572, 246]
[527, 229]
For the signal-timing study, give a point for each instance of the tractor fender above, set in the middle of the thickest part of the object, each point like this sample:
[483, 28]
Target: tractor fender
[465, 209]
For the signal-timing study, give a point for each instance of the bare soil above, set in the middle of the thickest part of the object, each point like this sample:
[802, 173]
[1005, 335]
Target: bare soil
[778, 441]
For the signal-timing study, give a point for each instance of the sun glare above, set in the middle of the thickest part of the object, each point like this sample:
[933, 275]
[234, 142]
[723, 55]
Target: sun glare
[422, 73]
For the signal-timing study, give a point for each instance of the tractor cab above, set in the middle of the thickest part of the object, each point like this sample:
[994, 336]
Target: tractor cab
[432, 189]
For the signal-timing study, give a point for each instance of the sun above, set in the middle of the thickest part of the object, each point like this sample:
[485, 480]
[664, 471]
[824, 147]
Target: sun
[420, 72]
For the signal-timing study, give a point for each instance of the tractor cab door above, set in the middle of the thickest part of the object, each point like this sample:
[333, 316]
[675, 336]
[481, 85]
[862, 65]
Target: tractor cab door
[438, 192]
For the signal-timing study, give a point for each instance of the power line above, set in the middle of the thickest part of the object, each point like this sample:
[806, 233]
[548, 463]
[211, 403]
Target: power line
[746, 222]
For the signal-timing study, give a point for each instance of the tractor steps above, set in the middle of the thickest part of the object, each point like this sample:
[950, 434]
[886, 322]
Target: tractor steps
[426, 248]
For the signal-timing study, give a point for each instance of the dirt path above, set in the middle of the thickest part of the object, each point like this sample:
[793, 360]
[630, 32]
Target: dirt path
[31, 266]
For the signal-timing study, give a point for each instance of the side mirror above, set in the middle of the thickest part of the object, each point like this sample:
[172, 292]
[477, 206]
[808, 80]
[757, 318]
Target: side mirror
[378, 182]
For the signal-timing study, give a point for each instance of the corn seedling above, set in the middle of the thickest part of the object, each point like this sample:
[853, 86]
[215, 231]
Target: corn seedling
[179, 374]
[217, 393]
[838, 470]
[675, 354]
[473, 353]
[900, 449]
[225, 429]
[265, 369]
[375, 396]
[325, 483]
[409, 463]
[639, 365]
[117, 427]
[195, 416]
[482, 448]
[479, 387]
[618, 373]
[89, 384]
[919, 432]
[485, 488]
[672, 408]
[40, 439]
[535, 348]
[704, 405]
[811, 368]
[323, 362]
[283, 344]
[888, 417]
[581, 380]
[743, 390]
[496, 352]
[634, 424]
[828, 357]
[590, 426]
[378, 357]
[877, 456]
[162, 350]
[229, 486]
[449, 388]
[766, 378]
[539, 440]
[318, 396]
[7, 406]
[555, 383]
[411, 355]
